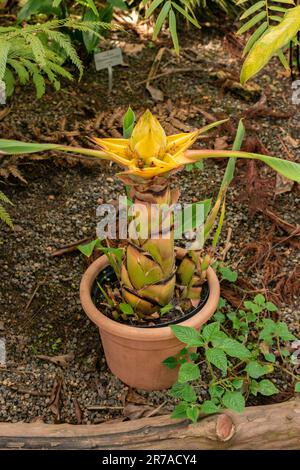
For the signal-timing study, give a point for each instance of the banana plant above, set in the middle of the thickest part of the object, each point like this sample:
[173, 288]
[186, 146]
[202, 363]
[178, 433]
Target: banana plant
[149, 159]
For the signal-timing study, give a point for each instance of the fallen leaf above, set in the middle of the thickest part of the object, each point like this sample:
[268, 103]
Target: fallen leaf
[77, 411]
[221, 143]
[155, 93]
[293, 142]
[1, 325]
[54, 403]
[62, 360]
[134, 397]
[283, 185]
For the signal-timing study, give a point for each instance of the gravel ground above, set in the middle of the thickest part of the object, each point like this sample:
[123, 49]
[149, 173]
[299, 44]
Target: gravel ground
[57, 207]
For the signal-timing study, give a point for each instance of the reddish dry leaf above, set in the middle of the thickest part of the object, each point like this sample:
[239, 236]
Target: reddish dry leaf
[62, 360]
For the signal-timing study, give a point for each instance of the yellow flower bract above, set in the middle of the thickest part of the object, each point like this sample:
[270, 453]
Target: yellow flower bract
[149, 152]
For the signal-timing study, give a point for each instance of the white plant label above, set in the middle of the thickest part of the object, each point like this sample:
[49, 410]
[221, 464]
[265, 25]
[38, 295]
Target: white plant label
[108, 60]
[2, 92]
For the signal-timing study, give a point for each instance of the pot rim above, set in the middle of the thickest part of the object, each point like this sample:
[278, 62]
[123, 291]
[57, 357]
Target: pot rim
[133, 332]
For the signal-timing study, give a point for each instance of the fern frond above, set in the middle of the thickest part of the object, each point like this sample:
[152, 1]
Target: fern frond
[65, 43]
[4, 215]
[4, 49]
[39, 83]
[21, 71]
[4, 198]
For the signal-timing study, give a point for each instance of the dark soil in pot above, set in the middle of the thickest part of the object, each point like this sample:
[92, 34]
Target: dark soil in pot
[180, 312]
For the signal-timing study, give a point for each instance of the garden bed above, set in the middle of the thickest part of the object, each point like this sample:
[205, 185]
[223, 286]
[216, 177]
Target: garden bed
[39, 303]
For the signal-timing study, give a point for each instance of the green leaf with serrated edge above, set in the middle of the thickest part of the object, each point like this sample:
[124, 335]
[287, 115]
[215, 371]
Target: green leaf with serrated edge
[153, 7]
[216, 391]
[254, 37]
[173, 30]
[209, 407]
[217, 357]
[234, 348]
[275, 39]
[228, 274]
[183, 391]
[270, 357]
[218, 338]
[193, 356]
[118, 4]
[254, 387]
[267, 388]
[234, 401]
[188, 372]
[255, 370]
[256, 19]
[259, 299]
[220, 317]
[161, 18]
[221, 303]
[192, 413]
[210, 330]
[183, 351]
[271, 307]
[237, 383]
[252, 306]
[199, 165]
[297, 387]
[179, 411]
[170, 362]
[253, 9]
[283, 332]
[187, 335]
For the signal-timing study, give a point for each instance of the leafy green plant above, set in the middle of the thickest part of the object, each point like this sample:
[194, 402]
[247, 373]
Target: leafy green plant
[276, 24]
[28, 53]
[4, 215]
[240, 365]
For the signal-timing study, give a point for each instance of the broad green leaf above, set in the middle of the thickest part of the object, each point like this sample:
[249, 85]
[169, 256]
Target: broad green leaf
[152, 7]
[235, 349]
[237, 383]
[161, 18]
[252, 22]
[219, 227]
[210, 330]
[218, 338]
[270, 357]
[234, 401]
[187, 335]
[179, 411]
[256, 370]
[271, 307]
[217, 357]
[252, 306]
[297, 387]
[283, 332]
[192, 413]
[173, 30]
[184, 391]
[216, 391]
[268, 45]
[228, 274]
[289, 169]
[254, 387]
[209, 407]
[33, 7]
[90, 39]
[187, 372]
[170, 362]
[259, 299]
[253, 9]
[267, 388]
[254, 37]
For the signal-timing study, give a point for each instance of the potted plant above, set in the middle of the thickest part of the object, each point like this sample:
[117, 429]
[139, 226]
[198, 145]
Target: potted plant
[153, 280]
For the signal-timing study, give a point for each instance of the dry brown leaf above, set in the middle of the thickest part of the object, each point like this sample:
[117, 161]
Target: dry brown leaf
[133, 397]
[156, 94]
[283, 185]
[221, 143]
[62, 360]
[132, 411]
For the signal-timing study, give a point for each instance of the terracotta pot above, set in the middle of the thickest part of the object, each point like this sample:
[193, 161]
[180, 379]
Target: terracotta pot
[135, 354]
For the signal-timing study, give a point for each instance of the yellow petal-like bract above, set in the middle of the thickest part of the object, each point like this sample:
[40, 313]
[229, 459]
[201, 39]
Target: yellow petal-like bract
[148, 152]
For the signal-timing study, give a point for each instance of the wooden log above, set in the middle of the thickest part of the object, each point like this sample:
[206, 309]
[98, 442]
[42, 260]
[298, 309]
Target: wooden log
[262, 427]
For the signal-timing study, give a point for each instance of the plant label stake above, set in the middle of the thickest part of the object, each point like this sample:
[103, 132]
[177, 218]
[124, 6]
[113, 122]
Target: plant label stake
[2, 92]
[107, 60]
